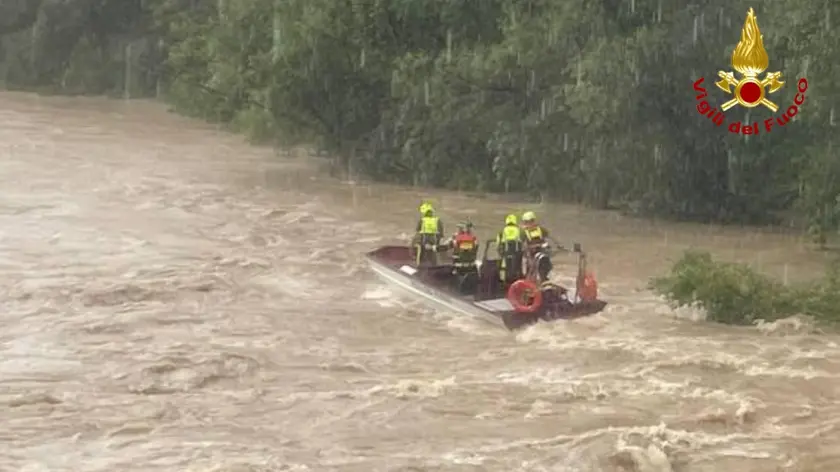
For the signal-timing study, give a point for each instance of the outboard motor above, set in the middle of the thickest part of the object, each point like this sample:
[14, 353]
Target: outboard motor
[556, 300]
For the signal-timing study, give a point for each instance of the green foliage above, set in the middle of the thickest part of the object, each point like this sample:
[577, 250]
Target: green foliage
[577, 100]
[78, 47]
[737, 294]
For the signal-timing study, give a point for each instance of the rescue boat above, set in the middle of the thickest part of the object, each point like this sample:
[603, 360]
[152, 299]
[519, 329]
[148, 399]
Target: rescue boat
[482, 294]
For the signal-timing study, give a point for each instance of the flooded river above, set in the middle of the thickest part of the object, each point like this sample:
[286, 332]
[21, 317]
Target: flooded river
[176, 300]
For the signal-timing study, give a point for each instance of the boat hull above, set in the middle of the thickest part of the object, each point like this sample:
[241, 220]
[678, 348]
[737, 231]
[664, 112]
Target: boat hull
[393, 265]
[432, 296]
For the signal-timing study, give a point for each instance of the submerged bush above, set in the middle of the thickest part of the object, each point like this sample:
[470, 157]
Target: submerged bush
[736, 294]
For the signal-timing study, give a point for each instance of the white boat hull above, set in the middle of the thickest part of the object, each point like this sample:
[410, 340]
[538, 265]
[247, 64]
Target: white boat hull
[433, 297]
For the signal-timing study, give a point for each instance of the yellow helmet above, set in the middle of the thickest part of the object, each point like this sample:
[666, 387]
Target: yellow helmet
[529, 216]
[425, 208]
[510, 220]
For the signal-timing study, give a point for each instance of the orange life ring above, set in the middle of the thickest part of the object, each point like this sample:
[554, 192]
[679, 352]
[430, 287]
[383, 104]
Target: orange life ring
[589, 288]
[525, 296]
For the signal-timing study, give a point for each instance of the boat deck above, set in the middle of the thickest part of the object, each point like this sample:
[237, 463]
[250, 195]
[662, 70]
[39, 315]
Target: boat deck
[435, 284]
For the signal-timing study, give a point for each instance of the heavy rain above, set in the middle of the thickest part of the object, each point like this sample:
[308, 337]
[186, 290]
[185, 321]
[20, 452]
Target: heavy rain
[192, 190]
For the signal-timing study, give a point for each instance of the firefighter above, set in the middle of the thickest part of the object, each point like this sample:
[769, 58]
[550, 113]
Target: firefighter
[510, 243]
[537, 251]
[429, 233]
[464, 246]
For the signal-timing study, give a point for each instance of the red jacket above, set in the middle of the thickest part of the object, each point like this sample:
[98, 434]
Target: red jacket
[464, 241]
[464, 246]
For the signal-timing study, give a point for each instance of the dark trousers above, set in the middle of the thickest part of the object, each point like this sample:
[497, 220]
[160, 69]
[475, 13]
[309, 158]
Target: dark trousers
[466, 278]
[539, 266]
[510, 268]
[464, 261]
[426, 250]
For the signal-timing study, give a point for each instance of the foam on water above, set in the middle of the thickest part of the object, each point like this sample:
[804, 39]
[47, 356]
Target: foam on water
[169, 307]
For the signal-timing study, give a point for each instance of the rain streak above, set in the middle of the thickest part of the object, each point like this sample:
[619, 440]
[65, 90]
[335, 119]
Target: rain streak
[177, 298]
[169, 308]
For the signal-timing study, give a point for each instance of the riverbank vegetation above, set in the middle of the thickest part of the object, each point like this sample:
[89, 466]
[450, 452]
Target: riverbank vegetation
[590, 102]
[737, 294]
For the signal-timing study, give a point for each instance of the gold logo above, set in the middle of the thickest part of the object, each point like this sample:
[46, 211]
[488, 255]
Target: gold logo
[750, 59]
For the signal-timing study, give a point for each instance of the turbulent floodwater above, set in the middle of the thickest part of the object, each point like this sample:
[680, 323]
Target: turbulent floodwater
[175, 300]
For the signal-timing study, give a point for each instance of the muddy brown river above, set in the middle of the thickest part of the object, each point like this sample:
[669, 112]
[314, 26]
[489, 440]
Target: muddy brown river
[176, 300]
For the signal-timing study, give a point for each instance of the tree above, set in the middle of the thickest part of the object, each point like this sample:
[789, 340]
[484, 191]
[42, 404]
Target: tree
[577, 100]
